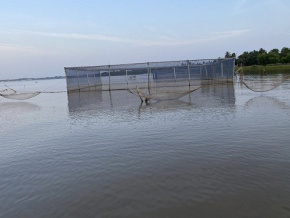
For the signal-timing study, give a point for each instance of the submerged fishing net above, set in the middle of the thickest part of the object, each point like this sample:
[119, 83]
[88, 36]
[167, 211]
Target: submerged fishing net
[163, 93]
[264, 82]
[12, 94]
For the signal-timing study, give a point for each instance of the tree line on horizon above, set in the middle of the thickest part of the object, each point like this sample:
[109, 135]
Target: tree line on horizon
[261, 57]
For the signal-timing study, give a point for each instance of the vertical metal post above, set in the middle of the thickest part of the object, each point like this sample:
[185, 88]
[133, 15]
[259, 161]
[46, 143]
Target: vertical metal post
[101, 80]
[148, 72]
[109, 78]
[100, 77]
[188, 70]
[67, 80]
[127, 79]
[242, 73]
[95, 81]
[200, 71]
[88, 81]
[222, 69]
[78, 80]
[233, 69]
[174, 72]
[213, 72]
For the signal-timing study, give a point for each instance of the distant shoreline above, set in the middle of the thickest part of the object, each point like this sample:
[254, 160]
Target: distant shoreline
[253, 68]
[28, 79]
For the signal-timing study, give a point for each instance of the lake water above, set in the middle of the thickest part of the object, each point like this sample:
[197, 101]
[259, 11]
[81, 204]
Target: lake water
[222, 151]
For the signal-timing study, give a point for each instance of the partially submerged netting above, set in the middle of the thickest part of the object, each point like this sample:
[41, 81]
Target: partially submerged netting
[166, 93]
[83, 79]
[155, 80]
[30, 88]
[14, 95]
[264, 82]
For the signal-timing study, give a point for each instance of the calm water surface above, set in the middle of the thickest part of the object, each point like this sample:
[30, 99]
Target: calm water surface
[222, 151]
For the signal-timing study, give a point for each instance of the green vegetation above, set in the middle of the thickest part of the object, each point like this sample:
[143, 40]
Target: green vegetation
[262, 57]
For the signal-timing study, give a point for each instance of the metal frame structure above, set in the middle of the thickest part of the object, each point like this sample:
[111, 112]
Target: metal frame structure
[189, 72]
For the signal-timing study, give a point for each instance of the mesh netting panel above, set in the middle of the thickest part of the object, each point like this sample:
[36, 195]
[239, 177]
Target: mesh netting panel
[82, 79]
[195, 75]
[71, 80]
[228, 69]
[165, 74]
[152, 77]
[264, 83]
[14, 95]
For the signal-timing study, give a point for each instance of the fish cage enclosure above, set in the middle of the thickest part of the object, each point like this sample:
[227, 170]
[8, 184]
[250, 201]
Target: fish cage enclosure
[151, 79]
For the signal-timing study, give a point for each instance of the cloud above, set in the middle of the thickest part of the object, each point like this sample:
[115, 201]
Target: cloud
[162, 41]
[9, 47]
[98, 37]
[20, 49]
[212, 37]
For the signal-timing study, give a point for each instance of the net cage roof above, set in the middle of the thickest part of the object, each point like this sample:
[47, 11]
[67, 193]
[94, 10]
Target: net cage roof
[150, 65]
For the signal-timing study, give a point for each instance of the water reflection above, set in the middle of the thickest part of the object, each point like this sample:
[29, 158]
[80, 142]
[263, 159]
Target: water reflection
[167, 104]
[87, 108]
[19, 106]
[214, 96]
[79, 101]
[188, 157]
[16, 114]
[265, 102]
[99, 103]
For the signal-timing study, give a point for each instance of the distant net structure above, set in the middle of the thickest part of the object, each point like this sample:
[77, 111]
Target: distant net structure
[151, 80]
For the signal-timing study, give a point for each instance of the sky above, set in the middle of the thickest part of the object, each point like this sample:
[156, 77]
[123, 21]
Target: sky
[40, 38]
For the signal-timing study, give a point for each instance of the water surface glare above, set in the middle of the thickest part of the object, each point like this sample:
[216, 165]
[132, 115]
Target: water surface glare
[222, 151]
